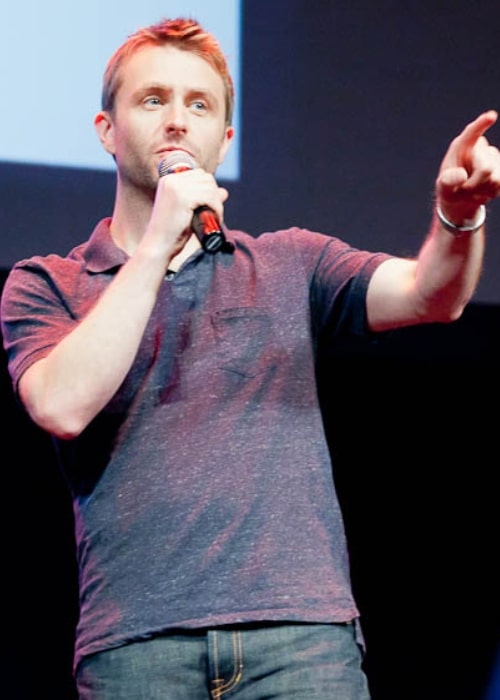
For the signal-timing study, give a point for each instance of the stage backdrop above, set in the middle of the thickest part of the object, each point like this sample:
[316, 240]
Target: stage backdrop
[344, 112]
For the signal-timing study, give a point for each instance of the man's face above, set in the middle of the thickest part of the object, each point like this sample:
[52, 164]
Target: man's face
[168, 99]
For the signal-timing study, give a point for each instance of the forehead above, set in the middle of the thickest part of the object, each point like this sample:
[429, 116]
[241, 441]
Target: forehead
[170, 67]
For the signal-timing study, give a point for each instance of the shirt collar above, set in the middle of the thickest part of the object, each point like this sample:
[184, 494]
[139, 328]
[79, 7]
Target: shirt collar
[101, 253]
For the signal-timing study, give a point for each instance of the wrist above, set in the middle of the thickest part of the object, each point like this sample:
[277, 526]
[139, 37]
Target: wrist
[467, 226]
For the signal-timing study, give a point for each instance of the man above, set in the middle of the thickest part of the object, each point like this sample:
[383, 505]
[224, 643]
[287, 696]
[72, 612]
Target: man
[180, 387]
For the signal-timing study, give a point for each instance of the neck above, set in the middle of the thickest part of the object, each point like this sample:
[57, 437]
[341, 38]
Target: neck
[130, 218]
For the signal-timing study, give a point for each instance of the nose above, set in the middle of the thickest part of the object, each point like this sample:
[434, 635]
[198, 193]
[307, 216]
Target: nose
[176, 117]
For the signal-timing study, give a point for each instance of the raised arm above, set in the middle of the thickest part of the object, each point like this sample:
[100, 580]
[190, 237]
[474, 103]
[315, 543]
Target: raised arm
[437, 285]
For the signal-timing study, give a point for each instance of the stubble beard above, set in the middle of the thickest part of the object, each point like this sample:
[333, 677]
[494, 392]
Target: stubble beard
[138, 177]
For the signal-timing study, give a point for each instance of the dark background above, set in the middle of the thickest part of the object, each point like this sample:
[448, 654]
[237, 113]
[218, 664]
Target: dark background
[347, 110]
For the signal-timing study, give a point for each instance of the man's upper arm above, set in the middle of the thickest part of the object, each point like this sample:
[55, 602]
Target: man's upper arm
[390, 298]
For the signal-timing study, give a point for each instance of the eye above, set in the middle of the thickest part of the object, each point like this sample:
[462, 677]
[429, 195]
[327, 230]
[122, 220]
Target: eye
[199, 106]
[152, 101]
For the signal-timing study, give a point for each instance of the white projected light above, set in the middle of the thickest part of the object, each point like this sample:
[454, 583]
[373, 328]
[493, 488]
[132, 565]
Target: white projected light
[54, 54]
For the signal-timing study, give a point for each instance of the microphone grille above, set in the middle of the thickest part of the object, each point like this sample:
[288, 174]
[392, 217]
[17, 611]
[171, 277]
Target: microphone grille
[175, 162]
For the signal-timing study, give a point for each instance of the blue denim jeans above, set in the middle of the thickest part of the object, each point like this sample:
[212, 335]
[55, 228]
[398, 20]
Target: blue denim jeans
[246, 662]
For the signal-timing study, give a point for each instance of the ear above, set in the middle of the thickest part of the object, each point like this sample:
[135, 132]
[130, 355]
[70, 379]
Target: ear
[104, 127]
[226, 142]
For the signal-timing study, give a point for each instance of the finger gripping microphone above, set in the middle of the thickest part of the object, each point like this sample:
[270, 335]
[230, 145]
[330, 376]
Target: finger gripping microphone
[205, 223]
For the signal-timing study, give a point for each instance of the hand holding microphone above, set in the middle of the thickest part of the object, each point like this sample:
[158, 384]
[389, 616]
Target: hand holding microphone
[204, 223]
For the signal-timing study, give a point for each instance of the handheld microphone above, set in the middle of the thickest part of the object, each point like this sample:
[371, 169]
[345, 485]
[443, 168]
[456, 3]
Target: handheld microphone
[205, 223]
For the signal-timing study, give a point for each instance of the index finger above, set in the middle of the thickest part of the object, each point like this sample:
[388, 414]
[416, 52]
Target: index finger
[475, 129]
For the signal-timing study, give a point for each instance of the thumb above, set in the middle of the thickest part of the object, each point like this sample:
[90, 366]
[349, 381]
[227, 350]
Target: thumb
[450, 179]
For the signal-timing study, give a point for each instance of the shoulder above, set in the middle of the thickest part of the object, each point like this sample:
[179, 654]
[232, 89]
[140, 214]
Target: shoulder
[301, 245]
[289, 242]
[294, 234]
[96, 254]
[39, 271]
